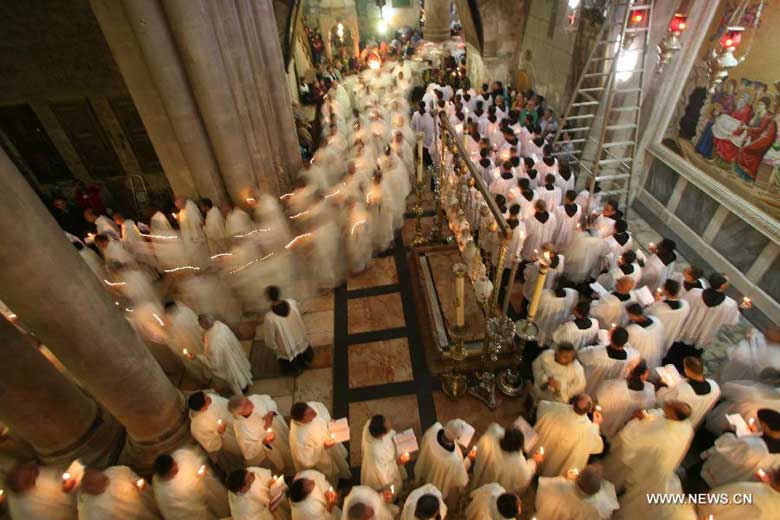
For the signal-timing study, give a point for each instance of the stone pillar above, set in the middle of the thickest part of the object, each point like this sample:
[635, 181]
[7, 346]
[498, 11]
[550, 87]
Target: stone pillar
[437, 20]
[47, 410]
[60, 300]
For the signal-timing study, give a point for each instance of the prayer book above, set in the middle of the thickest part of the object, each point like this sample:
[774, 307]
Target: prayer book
[468, 434]
[339, 430]
[276, 491]
[669, 375]
[529, 434]
[741, 427]
[644, 296]
[406, 442]
[599, 289]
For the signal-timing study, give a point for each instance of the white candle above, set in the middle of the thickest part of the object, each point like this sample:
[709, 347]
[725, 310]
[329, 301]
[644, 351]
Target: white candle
[761, 474]
[65, 476]
[420, 158]
[202, 470]
[140, 484]
[185, 352]
[392, 489]
[460, 308]
[541, 450]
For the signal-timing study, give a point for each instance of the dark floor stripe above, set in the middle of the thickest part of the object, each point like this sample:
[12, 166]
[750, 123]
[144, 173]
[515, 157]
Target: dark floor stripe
[370, 393]
[376, 335]
[377, 290]
[340, 353]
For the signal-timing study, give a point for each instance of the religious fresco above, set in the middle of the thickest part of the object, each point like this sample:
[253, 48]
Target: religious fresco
[730, 130]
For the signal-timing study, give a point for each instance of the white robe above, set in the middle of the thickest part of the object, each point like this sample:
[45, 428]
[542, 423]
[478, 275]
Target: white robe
[307, 445]
[381, 210]
[254, 504]
[286, 335]
[238, 224]
[166, 243]
[580, 338]
[509, 469]
[765, 502]
[603, 226]
[184, 332]
[203, 427]
[315, 505]
[121, 499]
[745, 398]
[568, 438]
[584, 256]
[734, 459]
[704, 322]
[552, 198]
[599, 366]
[216, 234]
[367, 496]
[655, 272]
[700, 404]
[672, 319]
[649, 341]
[106, 226]
[558, 498]
[538, 233]
[45, 500]
[379, 468]
[610, 310]
[567, 227]
[749, 357]
[189, 496]
[483, 505]
[358, 238]
[411, 502]
[444, 469]
[552, 312]
[531, 273]
[619, 403]
[571, 378]
[250, 434]
[226, 357]
[115, 252]
[610, 278]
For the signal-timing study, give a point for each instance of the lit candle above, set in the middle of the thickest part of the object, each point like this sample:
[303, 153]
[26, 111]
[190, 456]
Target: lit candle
[185, 352]
[220, 423]
[761, 474]
[643, 413]
[541, 450]
[392, 489]
[651, 245]
[420, 158]
[202, 471]
[573, 473]
[140, 484]
[66, 476]
[598, 408]
[612, 326]
[746, 301]
[460, 308]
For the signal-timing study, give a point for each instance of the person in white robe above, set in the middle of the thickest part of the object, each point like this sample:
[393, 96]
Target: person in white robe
[238, 223]
[550, 194]
[103, 224]
[424, 503]
[749, 357]
[558, 376]
[698, 392]
[610, 309]
[214, 228]
[116, 492]
[745, 397]
[618, 243]
[284, 332]
[604, 225]
[312, 496]
[381, 210]
[441, 461]
[504, 182]
[224, 354]
[311, 444]
[586, 496]
[734, 459]
[136, 285]
[366, 504]
[711, 309]
[646, 335]
[185, 339]
[620, 399]
[132, 239]
[93, 261]
[381, 466]
[113, 251]
[589, 202]
[185, 488]
[166, 243]
[493, 502]
[584, 257]
[671, 311]
[358, 237]
[568, 435]
[554, 308]
[581, 330]
[627, 265]
[612, 361]
[659, 267]
[500, 458]
[39, 492]
[422, 122]
[540, 229]
[261, 432]
[250, 497]
[764, 500]
[568, 216]
[211, 424]
[555, 263]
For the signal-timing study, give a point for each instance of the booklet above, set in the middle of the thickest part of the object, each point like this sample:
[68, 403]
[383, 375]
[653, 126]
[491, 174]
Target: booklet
[644, 296]
[599, 289]
[741, 427]
[276, 491]
[339, 430]
[529, 433]
[406, 442]
[468, 434]
[669, 375]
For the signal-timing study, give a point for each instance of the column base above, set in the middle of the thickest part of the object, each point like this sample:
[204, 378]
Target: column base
[98, 447]
[433, 35]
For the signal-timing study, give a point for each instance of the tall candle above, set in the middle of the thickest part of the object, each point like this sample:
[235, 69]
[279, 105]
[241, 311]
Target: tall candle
[459, 300]
[419, 157]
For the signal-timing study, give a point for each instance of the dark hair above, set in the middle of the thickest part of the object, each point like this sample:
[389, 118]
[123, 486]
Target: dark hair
[78, 245]
[571, 195]
[500, 199]
[667, 245]
[582, 307]
[547, 150]
[298, 490]
[507, 165]
[273, 292]
[529, 162]
[101, 237]
[717, 281]
[635, 376]
[696, 272]
[207, 202]
[236, 479]
[483, 152]
[524, 182]
[376, 426]
[619, 336]
[298, 410]
[621, 226]
[549, 178]
[427, 506]
[507, 505]
[694, 364]
[514, 209]
[163, 465]
[513, 440]
[629, 257]
[672, 287]
[170, 305]
[196, 401]
[565, 346]
[635, 309]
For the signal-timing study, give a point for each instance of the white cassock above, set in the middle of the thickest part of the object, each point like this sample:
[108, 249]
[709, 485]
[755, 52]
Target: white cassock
[558, 498]
[745, 398]
[601, 363]
[254, 504]
[447, 470]
[610, 278]
[184, 332]
[137, 287]
[105, 225]
[45, 500]
[580, 335]
[568, 225]
[250, 432]
[315, 505]
[379, 468]
[644, 453]
[131, 237]
[515, 245]
[483, 504]
[538, 233]
[121, 499]
[765, 502]
[307, 445]
[603, 226]
[619, 403]
[226, 357]
[381, 210]
[749, 357]
[509, 469]
[616, 249]
[203, 427]
[632, 507]
[285, 335]
[569, 438]
[611, 310]
[700, 404]
[648, 341]
[655, 272]
[94, 262]
[503, 184]
[704, 322]
[238, 224]
[411, 502]
[367, 496]
[424, 123]
[209, 294]
[553, 311]
[358, 239]
[593, 201]
[552, 197]
[116, 252]
[734, 459]
[216, 233]
[672, 319]
[584, 256]
[571, 378]
[531, 273]
[166, 243]
[188, 495]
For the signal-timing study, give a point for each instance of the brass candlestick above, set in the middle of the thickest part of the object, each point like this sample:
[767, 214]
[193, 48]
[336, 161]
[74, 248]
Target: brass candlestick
[419, 239]
[454, 383]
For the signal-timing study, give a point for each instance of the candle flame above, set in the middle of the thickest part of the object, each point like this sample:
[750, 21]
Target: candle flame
[352, 232]
[185, 352]
[541, 450]
[202, 471]
[140, 483]
[66, 476]
[220, 422]
[115, 284]
[296, 239]
[182, 268]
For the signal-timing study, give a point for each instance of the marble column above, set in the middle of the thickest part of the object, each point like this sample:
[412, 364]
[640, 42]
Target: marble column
[437, 20]
[138, 35]
[42, 407]
[60, 300]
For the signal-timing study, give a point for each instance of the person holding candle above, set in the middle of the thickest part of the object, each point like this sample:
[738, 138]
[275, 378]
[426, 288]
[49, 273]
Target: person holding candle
[311, 444]
[558, 376]
[39, 492]
[494, 502]
[568, 216]
[185, 338]
[192, 235]
[627, 265]
[612, 361]
[745, 397]
[501, 458]
[621, 398]
[311, 496]
[764, 492]
[441, 461]
[250, 495]
[364, 503]
[423, 122]
[751, 356]
[610, 309]
[211, 424]
[261, 431]
[671, 312]
[224, 354]
[586, 496]
[698, 392]
[424, 503]
[646, 335]
[580, 330]
[285, 333]
[116, 492]
[540, 228]
[381, 467]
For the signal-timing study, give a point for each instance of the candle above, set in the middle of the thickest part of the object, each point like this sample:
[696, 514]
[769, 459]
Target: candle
[202, 471]
[761, 474]
[419, 158]
[185, 352]
[746, 301]
[460, 309]
[643, 413]
[651, 245]
[541, 450]
[392, 489]
[598, 408]
[140, 484]
[66, 476]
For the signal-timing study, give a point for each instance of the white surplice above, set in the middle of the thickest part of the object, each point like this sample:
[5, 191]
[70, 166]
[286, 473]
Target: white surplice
[734, 459]
[745, 398]
[568, 438]
[765, 502]
[216, 234]
[559, 498]
[648, 341]
[166, 243]
[700, 404]
[483, 505]
[531, 273]
[238, 224]
[250, 434]
[367, 496]
[618, 403]
[45, 499]
[749, 357]
[106, 226]
[358, 238]
[315, 505]
[584, 256]
[599, 366]
[655, 272]
[121, 499]
[184, 332]
[444, 469]
[571, 378]
[379, 468]
[286, 335]
[307, 445]
[704, 322]
[254, 504]
[567, 227]
[553, 311]
[226, 357]
[672, 319]
[570, 332]
[610, 310]
[204, 424]
[509, 469]
[411, 502]
[537, 234]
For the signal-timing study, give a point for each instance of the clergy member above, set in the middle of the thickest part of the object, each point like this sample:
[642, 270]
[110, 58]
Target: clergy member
[581, 331]
[381, 467]
[224, 354]
[493, 502]
[612, 361]
[211, 424]
[646, 335]
[424, 503]
[698, 392]
[764, 499]
[363, 503]
[752, 355]
[39, 492]
[311, 444]
[745, 397]
[261, 432]
[441, 461]
[671, 311]
[540, 229]
[250, 496]
[501, 459]
[620, 399]
[185, 338]
[311, 496]
[192, 235]
[116, 492]
[611, 307]
[214, 228]
[585, 496]
[284, 332]
[558, 376]
[555, 306]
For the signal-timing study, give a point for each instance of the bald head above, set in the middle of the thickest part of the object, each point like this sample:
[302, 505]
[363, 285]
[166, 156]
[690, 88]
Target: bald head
[589, 480]
[582, 403]
[94, 481]
[360, 511]
[677, 410]
[240, 405]
[624, 284]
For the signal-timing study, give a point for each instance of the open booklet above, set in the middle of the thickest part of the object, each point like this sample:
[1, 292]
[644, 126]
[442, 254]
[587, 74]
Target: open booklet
[406, 442]
[598, 289]
[467, 435]
[644, 296]
[339, 430]
[669, 375]
[741, 428]
[276, 491]
[529, 434]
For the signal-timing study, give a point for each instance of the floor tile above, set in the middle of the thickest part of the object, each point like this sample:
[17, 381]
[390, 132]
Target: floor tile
[319, 303]
[323, 357]
[474, 412]
[379, 362]
[408, 229]
[319, 326]
[375, 313]
[273, 386]
[402, 412]
[315, 385]
[381, 271]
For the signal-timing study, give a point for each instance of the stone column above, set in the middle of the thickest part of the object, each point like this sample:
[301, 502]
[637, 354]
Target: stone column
[57, 296]
[437, 20]
[47, 410]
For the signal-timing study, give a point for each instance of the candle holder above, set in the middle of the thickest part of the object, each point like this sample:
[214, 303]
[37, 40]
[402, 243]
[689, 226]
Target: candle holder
[419, 239]
[454, 383]
[510, 381]
[499, 333]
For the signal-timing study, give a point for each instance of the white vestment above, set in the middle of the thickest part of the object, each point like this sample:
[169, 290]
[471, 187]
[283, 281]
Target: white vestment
[315, 505]
[238, 224]
[672, 319]
[411, 502]
[94, 262]
[655, 272]
[559, 498]
[121, 499]
[44, 500]
[568, 438]
[619, 403]
[192, 235]
[226, 357]
[599, 366]
[567, 227]
[285, 335]
[216, 234]
[749, 357]
[745, 398]
[188, 495]
[509, 469]
[531, 273]
[115, 252]
[734, 459]
[537, 234]
[704, 322]
[184, 332]
[553, 311]
[358, 238]
[250, 434]
[571, 378]
[765, 502]
[483, 505]
[379, 468]
[204, 423]
[570, 332]
[584, 256]
[106, 226]
[610, 310]
[444, 469]
[307, 445]
[551, 197]
[648, 341]
[700, 404]
[367, 496]
[254, 504]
